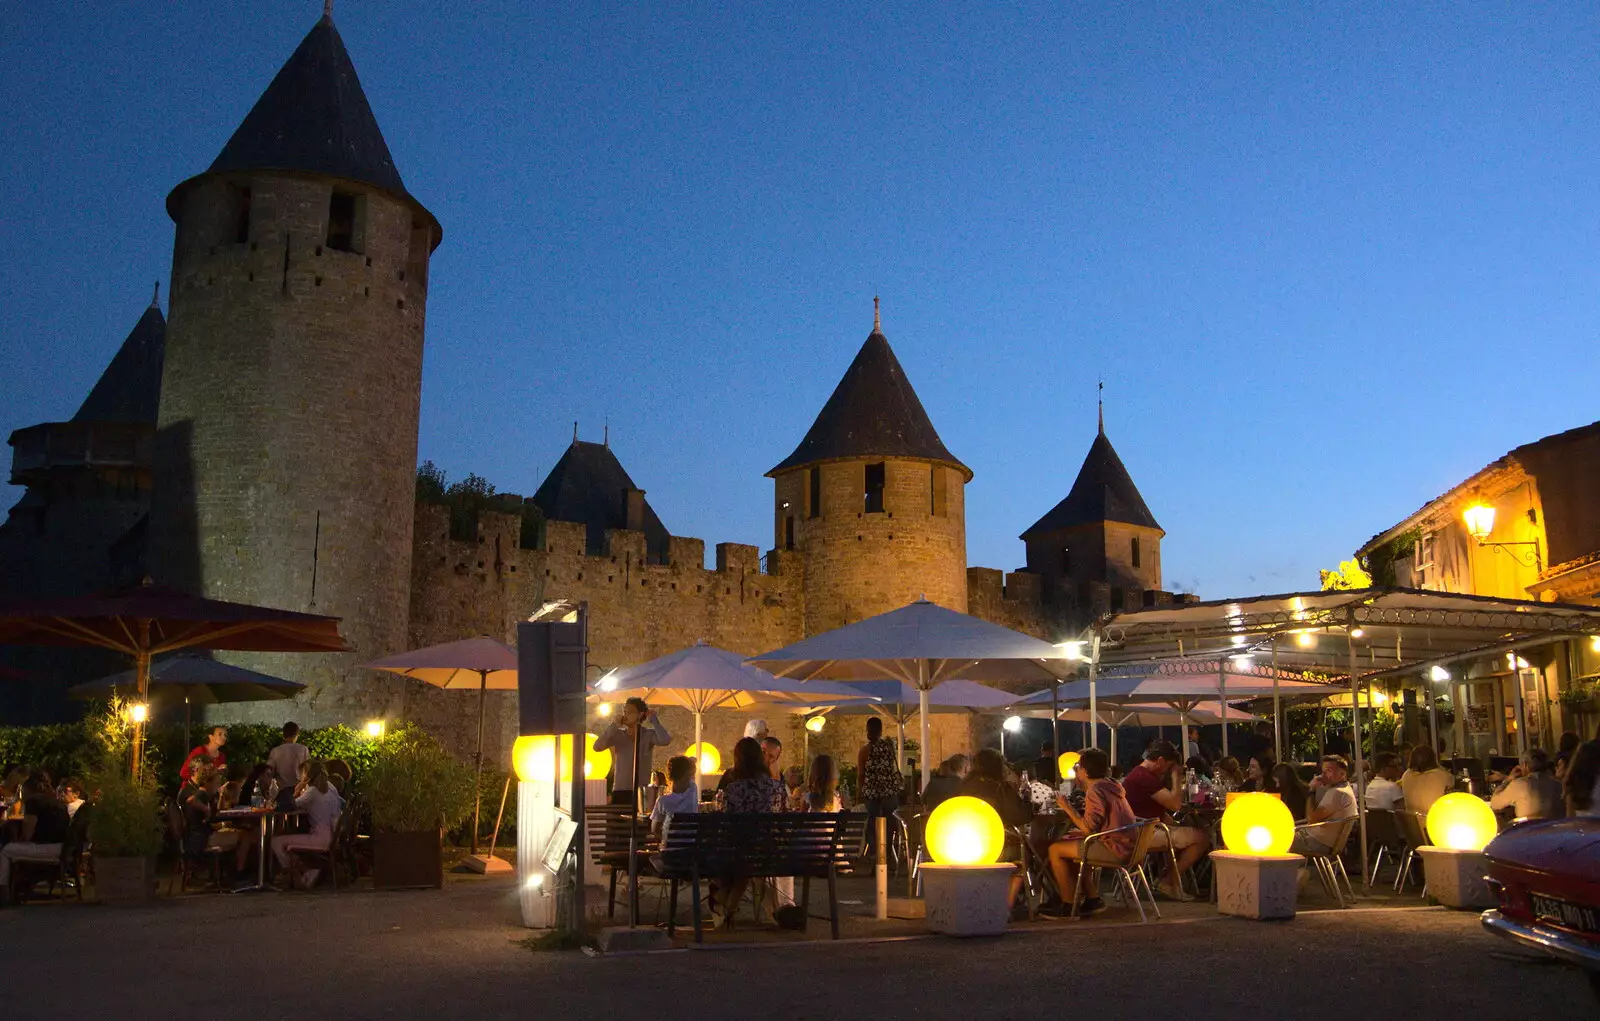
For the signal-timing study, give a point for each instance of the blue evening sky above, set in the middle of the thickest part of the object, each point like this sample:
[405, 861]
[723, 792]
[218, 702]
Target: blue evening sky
[1328, 261]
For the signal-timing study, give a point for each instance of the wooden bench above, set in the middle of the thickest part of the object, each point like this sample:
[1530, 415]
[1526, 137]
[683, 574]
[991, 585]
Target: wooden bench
[608, 828]
[721, 845]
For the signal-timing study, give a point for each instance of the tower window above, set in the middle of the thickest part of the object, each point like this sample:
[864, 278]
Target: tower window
[814, 492]
[1135, 550]
[874, 494]
[788, 531]
[1066, 562]
[241, 215]
[342, 221]
[936, 492]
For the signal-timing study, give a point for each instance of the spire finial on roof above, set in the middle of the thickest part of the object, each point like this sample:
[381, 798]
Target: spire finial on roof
[574, 432]
[1101, 387]
[607, 434]
[155, 299]
[327, 8]
[877, 323]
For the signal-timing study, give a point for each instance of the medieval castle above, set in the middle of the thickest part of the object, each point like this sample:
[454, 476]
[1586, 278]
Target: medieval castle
[259, 445]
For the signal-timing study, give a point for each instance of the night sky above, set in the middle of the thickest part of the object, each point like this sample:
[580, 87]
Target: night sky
[1327, 262]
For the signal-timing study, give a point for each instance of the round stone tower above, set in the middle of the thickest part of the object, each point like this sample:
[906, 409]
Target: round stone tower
[287, 433]
[872, 500]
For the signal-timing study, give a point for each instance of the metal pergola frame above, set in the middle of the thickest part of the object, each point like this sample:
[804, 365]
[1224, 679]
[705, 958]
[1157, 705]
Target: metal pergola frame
[1380, 632]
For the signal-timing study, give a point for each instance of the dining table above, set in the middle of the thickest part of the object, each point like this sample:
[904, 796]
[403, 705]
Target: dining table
[266, 818]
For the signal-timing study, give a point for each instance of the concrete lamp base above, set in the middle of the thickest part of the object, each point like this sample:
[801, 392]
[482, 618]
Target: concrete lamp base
[1455, 878]
[967, 900]
[1259, 886]
[484, 864]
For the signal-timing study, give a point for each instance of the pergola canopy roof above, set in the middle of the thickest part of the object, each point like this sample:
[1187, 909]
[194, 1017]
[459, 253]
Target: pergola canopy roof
[1393, 630]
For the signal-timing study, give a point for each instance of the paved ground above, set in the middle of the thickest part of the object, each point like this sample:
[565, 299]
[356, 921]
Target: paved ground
[456, 954]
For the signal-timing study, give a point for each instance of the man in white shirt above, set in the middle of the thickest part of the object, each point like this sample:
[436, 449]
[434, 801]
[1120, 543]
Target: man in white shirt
[1384, 792]
[1531, 791]
[1331, 803]
[287, 758]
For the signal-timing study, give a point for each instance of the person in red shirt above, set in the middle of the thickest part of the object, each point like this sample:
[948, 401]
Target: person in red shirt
[1151, 796]
[211, 751]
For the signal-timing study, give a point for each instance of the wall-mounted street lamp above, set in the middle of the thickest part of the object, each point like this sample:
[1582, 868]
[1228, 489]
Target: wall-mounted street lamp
[1479, 519]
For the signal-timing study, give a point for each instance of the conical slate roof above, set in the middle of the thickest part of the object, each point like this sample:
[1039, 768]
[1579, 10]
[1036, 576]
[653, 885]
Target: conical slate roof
[1103, 491]
[314, 117]
[589, 485]
[129, 390]
[873, 412]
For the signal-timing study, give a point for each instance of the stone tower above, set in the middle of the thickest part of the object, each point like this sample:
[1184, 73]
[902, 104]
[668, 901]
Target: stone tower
[287, 434]
[872, 500]
[1101, 534]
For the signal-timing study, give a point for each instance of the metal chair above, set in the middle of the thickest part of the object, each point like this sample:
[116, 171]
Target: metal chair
[1096, 853]
[178, 827]
[906, 823]
[1384, 840]
[1415, 834]
[1331, 838]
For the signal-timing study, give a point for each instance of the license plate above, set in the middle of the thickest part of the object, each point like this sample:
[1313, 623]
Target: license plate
[1566, 914]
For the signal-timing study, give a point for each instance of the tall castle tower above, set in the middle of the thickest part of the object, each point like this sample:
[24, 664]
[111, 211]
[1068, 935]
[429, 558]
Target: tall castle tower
[1100, 534]
[872, 500]
[287, 433]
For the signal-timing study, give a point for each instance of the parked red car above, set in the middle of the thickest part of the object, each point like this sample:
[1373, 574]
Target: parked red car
[1547, 875]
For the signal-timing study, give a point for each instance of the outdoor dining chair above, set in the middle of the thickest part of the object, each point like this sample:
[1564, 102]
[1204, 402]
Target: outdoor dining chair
[1098, 854]
[179, 830]
[1384, 840]
[907, 823]
[1415, 834]
[1332, 835]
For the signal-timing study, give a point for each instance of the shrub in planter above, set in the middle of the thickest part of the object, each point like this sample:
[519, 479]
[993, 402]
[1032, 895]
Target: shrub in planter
[126, 834]
[415, 790]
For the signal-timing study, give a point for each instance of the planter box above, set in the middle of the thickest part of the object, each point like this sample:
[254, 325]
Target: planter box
[125, 880]
[402, 861]
[1257, 886]
[967, 900]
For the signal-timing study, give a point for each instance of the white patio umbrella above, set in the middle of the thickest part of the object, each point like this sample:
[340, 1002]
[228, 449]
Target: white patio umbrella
[923, 645]
[481, 663]
[704, 677]
[898, 702]
[1115, 716]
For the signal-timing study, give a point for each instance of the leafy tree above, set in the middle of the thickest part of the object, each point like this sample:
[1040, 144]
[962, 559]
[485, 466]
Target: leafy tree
[1348, 575]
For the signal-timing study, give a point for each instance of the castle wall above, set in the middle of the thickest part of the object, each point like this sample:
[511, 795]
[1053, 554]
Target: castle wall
[288, 424]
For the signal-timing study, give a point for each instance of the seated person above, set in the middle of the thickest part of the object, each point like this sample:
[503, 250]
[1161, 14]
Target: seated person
[45, 824]
[821, 792]
[1384, 791]
[1287, 785]
[1424, 782]
[1105, 807]
[1229, 773]
[987, 782]
[72, 795]
[200, 801]
[752, 789]
[683, 799]
[1331, 802]
[1531, 791]
[1153, 793]
[945, 781]
[1258, 774]
[316, 797]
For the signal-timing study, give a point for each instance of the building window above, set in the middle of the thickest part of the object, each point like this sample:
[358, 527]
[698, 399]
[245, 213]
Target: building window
[1135, 550]
[342, 221]
[936, 492]
[788, 531]
[814, 492]
[874, 494]
[241, 214]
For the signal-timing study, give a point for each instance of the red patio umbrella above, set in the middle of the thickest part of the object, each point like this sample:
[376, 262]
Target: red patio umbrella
[148, 620]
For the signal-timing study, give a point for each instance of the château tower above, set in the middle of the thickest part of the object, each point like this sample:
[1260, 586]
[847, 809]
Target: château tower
[872, 500]
[286, 450]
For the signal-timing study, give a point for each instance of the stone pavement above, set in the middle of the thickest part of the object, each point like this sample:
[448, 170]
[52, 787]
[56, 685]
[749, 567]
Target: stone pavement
[457, 953]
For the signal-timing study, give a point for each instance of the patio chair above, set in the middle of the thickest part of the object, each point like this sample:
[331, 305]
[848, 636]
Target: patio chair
[179, 829]
[326, 857]
[1129, 867]
[1415, 834]
[1384, 840]
[1332, 835]
[907, 821]
[68, 867]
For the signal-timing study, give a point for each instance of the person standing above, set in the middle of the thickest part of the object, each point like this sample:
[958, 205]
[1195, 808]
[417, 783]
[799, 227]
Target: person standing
[285, 760]
[210, 752]
[879, 780]
[637, 724]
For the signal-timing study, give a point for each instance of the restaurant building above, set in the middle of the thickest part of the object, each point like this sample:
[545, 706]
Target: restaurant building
[1525, 526]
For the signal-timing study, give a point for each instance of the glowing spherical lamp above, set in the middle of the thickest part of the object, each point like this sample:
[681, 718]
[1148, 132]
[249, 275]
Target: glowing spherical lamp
[1256, 823]
[964, 831]
[534, 758]
[1461, 822]
[596, 762]
[707, 755]
[1067, 763]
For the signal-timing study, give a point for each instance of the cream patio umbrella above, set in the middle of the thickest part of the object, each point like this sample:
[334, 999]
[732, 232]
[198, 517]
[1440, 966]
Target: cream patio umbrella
[703, 677]
[898, 702]
[921, 644]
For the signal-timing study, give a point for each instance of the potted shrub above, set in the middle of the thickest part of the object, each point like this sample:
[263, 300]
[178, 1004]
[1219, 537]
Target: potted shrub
[125, 834]
[416, 790]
